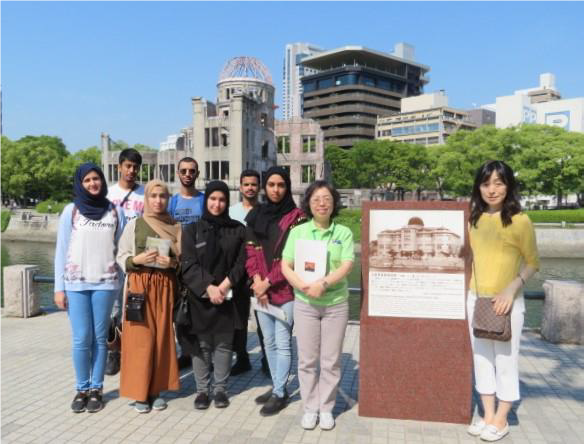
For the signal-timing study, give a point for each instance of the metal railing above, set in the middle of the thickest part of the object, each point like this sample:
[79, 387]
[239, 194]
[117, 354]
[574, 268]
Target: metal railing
[532, 295]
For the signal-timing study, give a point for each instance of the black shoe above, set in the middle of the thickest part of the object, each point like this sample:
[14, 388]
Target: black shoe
[262, 399]
[221, 400]
[241, 366]
[273, 406]
[112, 365]
[184, 362]
[202, 401]
[79, 402]
[94, 403]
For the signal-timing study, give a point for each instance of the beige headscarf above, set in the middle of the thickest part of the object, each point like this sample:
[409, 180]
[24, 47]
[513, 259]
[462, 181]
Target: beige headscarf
[162, 223]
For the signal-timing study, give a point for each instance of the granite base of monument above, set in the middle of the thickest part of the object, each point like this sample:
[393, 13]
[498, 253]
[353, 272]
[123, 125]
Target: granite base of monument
[417, 367]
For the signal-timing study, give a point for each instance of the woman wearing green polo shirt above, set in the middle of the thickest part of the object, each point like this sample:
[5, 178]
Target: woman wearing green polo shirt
[321, 309]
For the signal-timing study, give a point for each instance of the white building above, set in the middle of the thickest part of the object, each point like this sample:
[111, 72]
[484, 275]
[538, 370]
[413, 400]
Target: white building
[425, 120]
[542, 105]
[293, 71]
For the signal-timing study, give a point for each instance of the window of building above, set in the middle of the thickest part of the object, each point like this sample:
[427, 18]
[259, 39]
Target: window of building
[265, 150]
[206, 137]
[224, 170]
[215, 170]
[325, 83]
[284, 144]
[208, 170]
[264, 119]
[214, 136]
[367, 80]
[308, 144]
[224, 139]
[225, 113]
[227, 93]
[346, 79]
[172, 170]
[308, 173]
[309, 86]
[432, 140]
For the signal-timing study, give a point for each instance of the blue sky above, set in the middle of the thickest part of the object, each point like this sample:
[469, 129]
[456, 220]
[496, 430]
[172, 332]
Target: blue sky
[75, 69]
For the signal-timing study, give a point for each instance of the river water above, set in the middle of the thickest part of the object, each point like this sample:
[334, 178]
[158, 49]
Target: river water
[41, 254]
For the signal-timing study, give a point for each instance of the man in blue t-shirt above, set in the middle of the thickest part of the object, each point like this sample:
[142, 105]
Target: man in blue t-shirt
[186, 206]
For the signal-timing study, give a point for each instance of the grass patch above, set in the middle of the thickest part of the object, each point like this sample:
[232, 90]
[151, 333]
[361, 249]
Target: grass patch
[5, 219]
[351, 218]
[557, 216]
[56, 207]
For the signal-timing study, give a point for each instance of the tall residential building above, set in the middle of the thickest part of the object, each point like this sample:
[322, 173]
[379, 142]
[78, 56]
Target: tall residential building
[426, 120]
[354, 85]
[542, 105]
[293, 71]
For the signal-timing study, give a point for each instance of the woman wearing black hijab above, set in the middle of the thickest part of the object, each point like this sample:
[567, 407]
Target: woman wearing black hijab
[86, 279]
[213, 263]
[268, 226]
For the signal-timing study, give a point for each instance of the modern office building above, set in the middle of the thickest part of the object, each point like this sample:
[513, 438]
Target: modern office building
[293, 71]
[354, 85]
[542, 104]
[300, 149]
[426, 120]
[482, 116]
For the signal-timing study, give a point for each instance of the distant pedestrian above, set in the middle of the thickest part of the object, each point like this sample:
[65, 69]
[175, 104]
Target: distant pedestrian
[504, 252]
[149, 364]
[87, 278]
[321, 308]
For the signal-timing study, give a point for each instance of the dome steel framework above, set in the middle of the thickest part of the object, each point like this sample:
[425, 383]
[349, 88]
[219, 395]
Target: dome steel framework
[245, 67]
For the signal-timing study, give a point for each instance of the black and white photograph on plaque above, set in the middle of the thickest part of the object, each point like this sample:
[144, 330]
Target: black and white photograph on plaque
[410, 240]
[416, 263]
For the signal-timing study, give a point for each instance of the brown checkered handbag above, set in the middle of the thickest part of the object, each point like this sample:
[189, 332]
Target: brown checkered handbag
[486, 323]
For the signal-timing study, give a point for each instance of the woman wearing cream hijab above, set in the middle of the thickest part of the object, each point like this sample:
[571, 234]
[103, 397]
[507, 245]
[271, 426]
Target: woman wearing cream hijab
[149, 363]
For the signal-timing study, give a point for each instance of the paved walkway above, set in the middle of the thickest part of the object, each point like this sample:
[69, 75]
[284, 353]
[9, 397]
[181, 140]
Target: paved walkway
[37, 389]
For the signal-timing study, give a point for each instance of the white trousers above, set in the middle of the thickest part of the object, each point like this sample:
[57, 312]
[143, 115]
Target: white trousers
[496, 363]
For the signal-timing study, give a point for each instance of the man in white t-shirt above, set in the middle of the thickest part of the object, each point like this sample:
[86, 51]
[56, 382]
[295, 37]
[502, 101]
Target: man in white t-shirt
[128, 195]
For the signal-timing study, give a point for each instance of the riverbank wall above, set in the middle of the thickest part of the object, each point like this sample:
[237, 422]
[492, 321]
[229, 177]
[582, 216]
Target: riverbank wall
[552, 240]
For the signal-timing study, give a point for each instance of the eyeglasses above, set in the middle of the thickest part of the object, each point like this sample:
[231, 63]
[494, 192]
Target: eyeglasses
[324, 200]
[185, 171]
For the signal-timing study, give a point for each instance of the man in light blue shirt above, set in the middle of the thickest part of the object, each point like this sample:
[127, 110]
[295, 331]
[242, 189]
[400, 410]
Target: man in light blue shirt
[249, 187]
[186, 206]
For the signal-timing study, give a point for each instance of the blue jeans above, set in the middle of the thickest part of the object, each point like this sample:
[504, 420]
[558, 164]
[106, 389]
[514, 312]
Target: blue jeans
[89, 313]
[278, 344]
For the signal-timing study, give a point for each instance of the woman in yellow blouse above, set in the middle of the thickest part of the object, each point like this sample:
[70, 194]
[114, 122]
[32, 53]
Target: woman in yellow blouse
[504, 251]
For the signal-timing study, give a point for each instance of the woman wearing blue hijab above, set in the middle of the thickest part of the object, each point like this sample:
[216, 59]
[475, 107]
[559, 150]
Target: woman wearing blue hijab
[86, 279]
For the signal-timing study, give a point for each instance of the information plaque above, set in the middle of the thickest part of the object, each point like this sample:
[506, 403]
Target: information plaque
[415, 354]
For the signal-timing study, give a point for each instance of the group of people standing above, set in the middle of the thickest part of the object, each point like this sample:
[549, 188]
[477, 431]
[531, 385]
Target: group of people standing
[220, 256]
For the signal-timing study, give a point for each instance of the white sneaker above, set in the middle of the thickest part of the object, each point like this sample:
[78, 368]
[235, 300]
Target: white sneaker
[309, 421]
[326, 421]
[476, 428]
[491, 433]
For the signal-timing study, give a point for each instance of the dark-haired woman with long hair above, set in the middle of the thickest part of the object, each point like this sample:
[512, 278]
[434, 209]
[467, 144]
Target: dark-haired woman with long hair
[321, 308]
[505, 255]
[87, 279]
[268, 226]
[213, 264]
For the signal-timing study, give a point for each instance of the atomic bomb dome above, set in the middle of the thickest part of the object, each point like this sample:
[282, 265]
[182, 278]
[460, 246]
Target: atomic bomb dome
[245, 68]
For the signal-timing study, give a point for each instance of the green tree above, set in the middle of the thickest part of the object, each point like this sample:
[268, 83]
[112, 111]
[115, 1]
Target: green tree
[341, 166]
